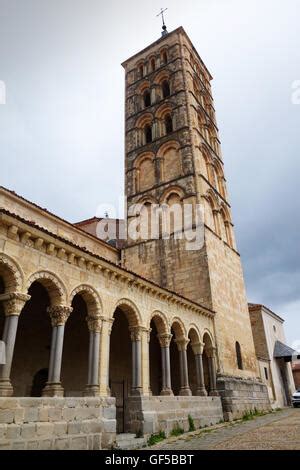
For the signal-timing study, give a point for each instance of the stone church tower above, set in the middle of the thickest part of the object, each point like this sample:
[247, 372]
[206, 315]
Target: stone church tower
[173, 156]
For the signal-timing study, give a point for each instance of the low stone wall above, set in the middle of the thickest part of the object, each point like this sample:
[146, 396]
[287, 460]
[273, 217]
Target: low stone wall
[57, 423]
[149, 415]
[240, 395]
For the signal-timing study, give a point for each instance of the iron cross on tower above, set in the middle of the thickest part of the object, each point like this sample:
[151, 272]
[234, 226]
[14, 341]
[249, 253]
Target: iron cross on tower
[164, 31]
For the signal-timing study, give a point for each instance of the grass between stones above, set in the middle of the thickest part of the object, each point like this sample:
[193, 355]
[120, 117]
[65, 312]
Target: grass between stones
[178, 432]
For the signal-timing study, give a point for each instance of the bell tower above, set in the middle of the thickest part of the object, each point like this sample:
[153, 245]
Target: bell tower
[173, 155]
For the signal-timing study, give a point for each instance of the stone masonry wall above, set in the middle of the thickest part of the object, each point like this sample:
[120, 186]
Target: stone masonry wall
[241, 395]
[151, 415]
[57, 423]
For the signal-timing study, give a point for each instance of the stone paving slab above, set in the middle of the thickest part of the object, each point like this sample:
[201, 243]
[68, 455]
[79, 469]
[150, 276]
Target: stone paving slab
[275, 431]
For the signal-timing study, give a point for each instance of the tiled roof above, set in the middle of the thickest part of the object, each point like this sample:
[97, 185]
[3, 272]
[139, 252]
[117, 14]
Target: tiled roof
[252, 306]
[75, 226]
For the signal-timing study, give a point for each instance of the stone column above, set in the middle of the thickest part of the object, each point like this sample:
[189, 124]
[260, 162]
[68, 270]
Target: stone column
[136, 345]
[198, 351]
[165, 340]
[13, 305]
[184, 374]
[94, 324]
[211, 354]
[59, 315]
[146, 362]
[104, 356]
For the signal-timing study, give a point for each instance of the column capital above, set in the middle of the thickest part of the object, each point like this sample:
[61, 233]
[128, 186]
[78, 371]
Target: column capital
[182, 343]
[136, 333]
[148, 334]
[109, 322]
[94, 323]
[14, 303]
[198, 347]
[164, 340]
[59, 314]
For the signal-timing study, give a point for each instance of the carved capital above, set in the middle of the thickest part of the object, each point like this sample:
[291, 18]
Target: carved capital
[182, 343]
[135, 333]
[59, 314]
[149, 334]
[107, 324]
[164, 340]
[14, 303]
[94, 324]
[197, 348]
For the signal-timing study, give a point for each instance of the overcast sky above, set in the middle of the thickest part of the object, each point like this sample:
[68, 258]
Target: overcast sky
[61, 130]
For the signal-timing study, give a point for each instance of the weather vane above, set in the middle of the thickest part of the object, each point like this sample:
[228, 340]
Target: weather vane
[164, 31]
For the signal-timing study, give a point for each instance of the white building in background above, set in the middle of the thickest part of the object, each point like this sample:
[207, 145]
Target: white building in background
[274, 356]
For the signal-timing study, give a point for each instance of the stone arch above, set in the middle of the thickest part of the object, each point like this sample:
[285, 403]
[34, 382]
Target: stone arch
[12, 274]
[143, 120]
[163, 110]
[91, 298]
[164, 53]
[159, 332]
[170, 155]
[151, 63]
[207, 339]
[143, 156]
[206, 152]
[54, 286]
[173, 190]
[160, 321]
[161, 76]
[147, 200]
[194, 334]
[210, 195]
[140, 68]
[211, 211]
[193, 348]
[130, 310]
[220, 177]
[178, 328]
[226, 213]
[225, 225]
[145, 85]
[207, 160]
[207, 360]
[178, 340]
[145, 171]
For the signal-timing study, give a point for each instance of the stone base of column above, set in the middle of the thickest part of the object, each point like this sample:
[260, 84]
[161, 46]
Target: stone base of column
[214, 393]
[91, 391]
[166, 392]
[6, 388]
[185, 391]
[201, 392]
[136, 392]
[53, 390]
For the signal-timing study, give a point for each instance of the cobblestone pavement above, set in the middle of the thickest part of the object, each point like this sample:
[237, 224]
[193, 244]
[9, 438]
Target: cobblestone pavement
[276, 431]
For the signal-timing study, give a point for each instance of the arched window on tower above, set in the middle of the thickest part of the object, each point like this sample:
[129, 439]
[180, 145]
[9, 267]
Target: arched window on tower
[168, 124]
[152, 64]
[147, 98]
[165, 89]
[141, 71]
[148, 134]
[164, 57]
[239, 359]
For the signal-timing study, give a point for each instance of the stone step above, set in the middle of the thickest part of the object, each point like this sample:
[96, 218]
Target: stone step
[129, 442]
[125, 436]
